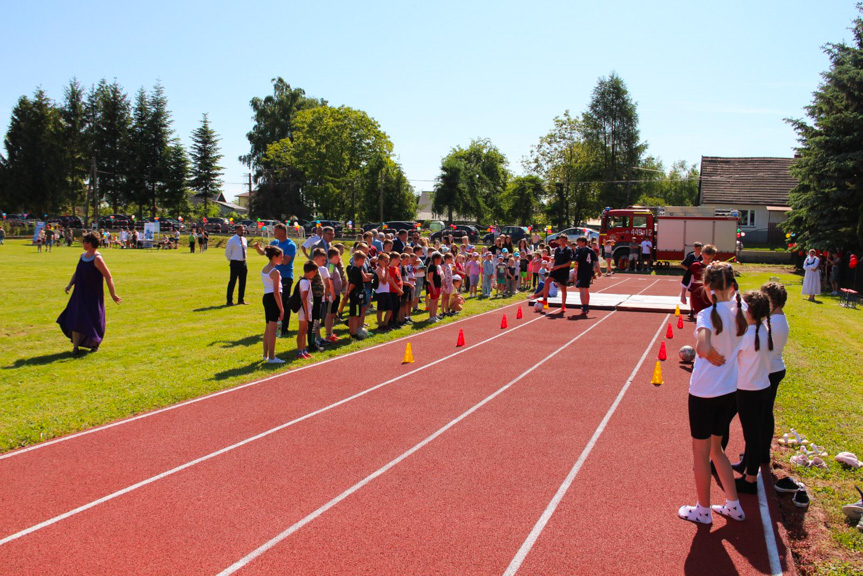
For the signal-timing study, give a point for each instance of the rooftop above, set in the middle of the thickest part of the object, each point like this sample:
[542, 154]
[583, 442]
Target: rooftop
[750, 181]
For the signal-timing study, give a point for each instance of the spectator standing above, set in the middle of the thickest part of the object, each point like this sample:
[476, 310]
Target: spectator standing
[812, 277]
[235, 252]
[2, 235]
[646, 253]
[311, 241]
[328, 234]
[285, 268]
[400, 241]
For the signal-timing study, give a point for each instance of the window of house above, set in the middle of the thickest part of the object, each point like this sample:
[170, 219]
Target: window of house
[747, 218]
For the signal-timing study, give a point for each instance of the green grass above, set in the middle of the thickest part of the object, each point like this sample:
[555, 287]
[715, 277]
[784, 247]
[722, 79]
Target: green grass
[170, 340]
[821, 398]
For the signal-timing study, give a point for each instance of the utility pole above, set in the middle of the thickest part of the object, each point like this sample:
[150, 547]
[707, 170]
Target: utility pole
[381, 191]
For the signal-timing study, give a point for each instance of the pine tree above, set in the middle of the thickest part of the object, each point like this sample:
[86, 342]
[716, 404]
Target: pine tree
[827, 203]
[109, 126]
[75, 145]
[173, 196]
[206, 172]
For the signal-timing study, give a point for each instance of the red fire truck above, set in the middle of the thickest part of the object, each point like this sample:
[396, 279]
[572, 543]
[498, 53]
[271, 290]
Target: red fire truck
[672, 231]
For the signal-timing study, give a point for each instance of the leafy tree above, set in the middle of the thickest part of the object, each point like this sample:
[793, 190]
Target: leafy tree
[450, 195]
[484, 176]
[34, 165]
[522, 199]
[611, 126]
[206, 172]
[76, 163]
[827, 204]
[385, 184]
[108, 132]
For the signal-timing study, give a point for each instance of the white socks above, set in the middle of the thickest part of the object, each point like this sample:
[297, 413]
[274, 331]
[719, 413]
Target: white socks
[730, 509]
[698, 514]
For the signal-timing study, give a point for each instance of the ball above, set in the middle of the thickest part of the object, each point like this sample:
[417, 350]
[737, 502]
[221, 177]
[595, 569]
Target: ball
[687, 354]
[537, 307]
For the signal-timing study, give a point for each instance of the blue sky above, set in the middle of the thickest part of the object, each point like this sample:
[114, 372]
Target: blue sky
[708, 78]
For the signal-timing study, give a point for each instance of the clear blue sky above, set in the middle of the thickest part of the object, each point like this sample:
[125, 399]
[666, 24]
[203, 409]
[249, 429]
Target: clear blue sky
[708, 78]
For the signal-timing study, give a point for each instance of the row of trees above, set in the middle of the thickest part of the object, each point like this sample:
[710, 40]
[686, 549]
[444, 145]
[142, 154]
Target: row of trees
[312, 159]
[99, 147]
[580, 166]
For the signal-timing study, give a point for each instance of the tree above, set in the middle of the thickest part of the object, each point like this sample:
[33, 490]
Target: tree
[523, 199]
[34, 166]
[450, 192]
[611, 126]
[108, 132]
[827, 204]
[206, 172]
[74, 143]
[174, 193]
[484, 176]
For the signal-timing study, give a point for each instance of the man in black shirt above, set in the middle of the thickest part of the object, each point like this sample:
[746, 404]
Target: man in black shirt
[400, 241]
[559, 272]
[585, 262]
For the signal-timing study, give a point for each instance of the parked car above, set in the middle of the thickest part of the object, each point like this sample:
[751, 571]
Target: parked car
[249, 225]
[217, 225]
[574, 234]
[71, 222]
[515, 232]
[458, 231]
[309, 226]
[115, 221]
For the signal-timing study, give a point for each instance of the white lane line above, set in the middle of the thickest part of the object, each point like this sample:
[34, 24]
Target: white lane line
[612, 286]
[236, 388]
[531, 539]
[264, 434]
[767, 525]
[299, 524]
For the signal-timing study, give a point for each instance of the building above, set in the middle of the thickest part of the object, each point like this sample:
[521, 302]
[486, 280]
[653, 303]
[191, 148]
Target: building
[225, 207]
[243, 200]
[757, 188]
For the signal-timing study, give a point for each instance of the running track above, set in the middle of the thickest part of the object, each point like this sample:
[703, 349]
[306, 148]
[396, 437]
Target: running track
[539, 449]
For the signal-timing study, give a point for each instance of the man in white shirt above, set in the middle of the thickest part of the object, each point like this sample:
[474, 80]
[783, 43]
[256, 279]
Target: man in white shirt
[316, 237]
[646, 254]
[235, 252]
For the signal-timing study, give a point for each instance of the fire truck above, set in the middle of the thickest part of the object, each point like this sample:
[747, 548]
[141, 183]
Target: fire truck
[673, 231]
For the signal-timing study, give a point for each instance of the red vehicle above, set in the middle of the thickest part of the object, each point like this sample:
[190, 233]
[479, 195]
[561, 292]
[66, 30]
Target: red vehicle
[672, 233]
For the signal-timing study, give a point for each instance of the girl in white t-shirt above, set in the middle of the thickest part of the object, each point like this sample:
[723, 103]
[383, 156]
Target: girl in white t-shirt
[304, 314]
[712, 389]
[753, 387]
[780, 331]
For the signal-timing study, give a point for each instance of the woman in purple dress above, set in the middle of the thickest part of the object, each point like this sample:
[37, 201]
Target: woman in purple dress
[83, 320]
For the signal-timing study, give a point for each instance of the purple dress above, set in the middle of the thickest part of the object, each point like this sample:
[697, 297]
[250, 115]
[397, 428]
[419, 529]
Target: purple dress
[85, 312]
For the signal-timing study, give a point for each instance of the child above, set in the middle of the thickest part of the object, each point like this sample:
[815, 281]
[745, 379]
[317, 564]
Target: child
[434, 279]
[511, 276]
[473, 272]
[274, 310]
[356, 295]
[458, 268]
[447, 287]
[333, 269]
[780, 332]
[712, 390]
[322, 293]
[700, 296]
[535, 266]
[408, 285]
[304, 315]
[585, 259]
[688, 261]
[456, 302]
[753, 387]
[382, 292]
[487, 274]
[524, 265]
[419, 277]
[396, 290]
[500, 288]
[609, 257]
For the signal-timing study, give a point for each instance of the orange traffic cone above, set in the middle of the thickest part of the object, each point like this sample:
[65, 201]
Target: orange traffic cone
[680, 322]
[460, 341]
[662, 354]
[503, 322]
[657, 374]
[409, 355]
[518, 314]
[669, 333]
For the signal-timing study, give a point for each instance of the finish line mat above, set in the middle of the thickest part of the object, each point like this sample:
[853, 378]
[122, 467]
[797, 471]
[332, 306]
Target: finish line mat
[633, 303]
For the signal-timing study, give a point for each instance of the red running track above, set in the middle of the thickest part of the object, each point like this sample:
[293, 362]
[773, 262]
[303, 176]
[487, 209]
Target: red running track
[479, 471]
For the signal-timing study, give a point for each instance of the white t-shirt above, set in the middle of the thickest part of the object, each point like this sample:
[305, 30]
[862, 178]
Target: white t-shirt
[707, 380]
[325, 275]
[311, 241]
[646, 246]
[781, 330]
[306, 286]
[753, 367]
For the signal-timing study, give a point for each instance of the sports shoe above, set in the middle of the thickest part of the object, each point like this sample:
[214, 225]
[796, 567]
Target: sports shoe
[275, 360]
[801, 497]
[332, 338]
[744, 487]
[786, 485]
[306, 355]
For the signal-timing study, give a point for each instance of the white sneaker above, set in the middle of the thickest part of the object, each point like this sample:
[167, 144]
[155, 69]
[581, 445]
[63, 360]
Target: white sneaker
[275, 361]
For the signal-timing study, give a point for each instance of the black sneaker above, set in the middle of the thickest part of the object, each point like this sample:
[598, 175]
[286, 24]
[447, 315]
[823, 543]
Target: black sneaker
[744, 487]
[801, 498]
[786, 485]
[739, 467]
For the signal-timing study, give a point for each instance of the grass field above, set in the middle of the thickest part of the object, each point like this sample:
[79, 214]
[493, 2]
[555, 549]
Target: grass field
[172, 339]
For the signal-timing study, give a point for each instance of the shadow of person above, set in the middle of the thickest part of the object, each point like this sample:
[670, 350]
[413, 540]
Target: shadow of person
[208, 308]
[257, 366]
[41, 360]
[707, 555]
[247, 341]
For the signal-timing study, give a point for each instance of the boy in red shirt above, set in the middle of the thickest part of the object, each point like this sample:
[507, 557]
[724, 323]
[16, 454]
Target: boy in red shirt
[396, 288]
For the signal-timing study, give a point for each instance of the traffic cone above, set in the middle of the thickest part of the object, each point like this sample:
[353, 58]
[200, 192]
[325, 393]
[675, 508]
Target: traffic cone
[518, 314]
[503, 322]
[669, 333]
[460, 341]
[662, 354]
[409, 355]
[680, 322]
[545, 304]
[677, 311]
[657, 374]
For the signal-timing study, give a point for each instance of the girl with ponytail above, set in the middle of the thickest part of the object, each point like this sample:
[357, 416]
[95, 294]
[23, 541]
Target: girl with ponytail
[753, 387]
[712, 390]
[777, 324]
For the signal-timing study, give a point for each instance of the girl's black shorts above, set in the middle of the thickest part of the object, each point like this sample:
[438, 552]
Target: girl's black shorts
[711, 416]
[271, 308]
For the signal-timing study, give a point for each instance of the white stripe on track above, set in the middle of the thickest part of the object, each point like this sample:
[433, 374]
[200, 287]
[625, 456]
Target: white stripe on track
[531, 539]
[767, 525]
[264, 434]
[380, 471]
[236, 388]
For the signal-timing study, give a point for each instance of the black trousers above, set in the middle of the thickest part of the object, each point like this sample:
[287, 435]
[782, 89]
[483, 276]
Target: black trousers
[287, 284]
[752, 408]
[769, 423]
[238, 271]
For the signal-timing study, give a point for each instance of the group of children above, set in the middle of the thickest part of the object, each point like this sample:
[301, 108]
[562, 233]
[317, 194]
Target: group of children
[738, 367]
